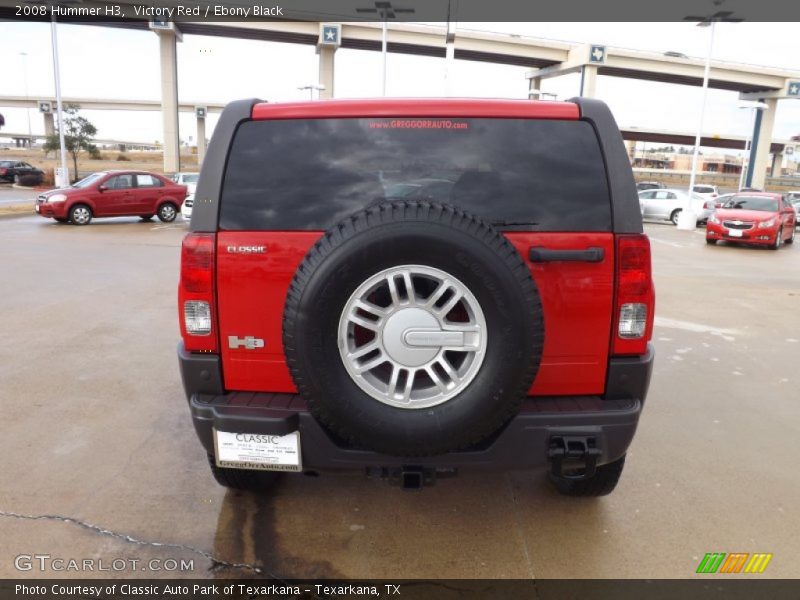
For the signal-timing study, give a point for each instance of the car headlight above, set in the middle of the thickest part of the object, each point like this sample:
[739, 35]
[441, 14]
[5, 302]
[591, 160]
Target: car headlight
[56, 198]
[766, 224]
[713, 219]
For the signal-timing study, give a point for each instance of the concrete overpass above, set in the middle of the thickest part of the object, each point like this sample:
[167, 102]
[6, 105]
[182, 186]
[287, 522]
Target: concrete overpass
[46, 106]
[545, 58]
[21, 140]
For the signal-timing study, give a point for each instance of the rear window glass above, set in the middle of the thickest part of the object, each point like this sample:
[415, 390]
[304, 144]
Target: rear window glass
[517, 173]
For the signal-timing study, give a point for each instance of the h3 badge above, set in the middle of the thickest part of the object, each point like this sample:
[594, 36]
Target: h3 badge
[248, 343]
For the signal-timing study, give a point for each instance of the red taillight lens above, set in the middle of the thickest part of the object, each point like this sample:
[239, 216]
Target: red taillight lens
[3, 171]
[635, 296]
[196, 292]
[708, 204]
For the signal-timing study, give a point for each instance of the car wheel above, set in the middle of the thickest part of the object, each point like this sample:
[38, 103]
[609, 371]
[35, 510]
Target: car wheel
[778, 241]
[674, 216]
[424, 318]
[243, 479]
[167, 212]
[791, 238]
[146, 217]
[710, 241]
[80, 214]
[601, 483]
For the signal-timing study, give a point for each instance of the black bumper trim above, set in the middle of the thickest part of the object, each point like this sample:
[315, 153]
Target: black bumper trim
[522, 443]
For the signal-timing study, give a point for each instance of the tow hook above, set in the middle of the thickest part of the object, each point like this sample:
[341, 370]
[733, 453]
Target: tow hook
[573, 456]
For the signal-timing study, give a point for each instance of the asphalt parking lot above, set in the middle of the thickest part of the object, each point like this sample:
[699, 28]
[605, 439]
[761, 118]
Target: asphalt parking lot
[95, 429]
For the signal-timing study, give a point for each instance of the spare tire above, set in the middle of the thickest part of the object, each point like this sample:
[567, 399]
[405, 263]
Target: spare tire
[413, 329]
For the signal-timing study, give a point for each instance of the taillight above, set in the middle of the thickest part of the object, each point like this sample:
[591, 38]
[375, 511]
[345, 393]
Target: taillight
[635, 296]
[3, 171]
[196, 293]
[709, 204]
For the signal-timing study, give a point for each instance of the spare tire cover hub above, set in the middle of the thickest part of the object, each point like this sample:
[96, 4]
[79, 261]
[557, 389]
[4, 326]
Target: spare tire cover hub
[412, 336]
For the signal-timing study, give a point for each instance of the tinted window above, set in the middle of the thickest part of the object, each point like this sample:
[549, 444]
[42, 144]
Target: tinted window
[148, 181]
[87, 181]
[763, 203]
[6, 163]
[309, 174]
[120, 182]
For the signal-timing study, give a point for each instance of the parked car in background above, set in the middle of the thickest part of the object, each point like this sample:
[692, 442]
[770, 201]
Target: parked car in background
[190, 181]
[668, 203]
[649, 185]
[794, 199]
[709, 192]
[753, 218]
[113, 194]
[17, 171]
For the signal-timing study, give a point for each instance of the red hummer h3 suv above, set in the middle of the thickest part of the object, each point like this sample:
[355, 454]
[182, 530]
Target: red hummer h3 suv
[411, 287]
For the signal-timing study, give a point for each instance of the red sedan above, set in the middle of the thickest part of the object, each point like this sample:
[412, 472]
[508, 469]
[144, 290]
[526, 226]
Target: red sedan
[753, 218]
[113, 194]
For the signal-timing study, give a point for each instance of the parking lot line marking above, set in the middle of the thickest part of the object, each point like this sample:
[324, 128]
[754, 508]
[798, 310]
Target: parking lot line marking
[665, 242]
[726, 334]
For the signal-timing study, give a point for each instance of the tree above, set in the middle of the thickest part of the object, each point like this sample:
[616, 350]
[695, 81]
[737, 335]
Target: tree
[78, 134]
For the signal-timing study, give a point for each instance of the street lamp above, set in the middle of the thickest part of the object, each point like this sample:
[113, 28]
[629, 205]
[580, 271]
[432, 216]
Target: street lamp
[62, 181]
[755, 107]
[385, 11]
[688, 218]
[24, 56]
[311, 87]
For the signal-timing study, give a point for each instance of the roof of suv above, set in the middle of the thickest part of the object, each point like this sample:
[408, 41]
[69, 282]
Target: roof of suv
[418, 107]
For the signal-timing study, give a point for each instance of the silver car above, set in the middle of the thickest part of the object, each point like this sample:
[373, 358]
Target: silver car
[667, 205]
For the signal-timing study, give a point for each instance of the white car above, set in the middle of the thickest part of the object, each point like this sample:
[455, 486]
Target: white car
[709, 192]
[190, 181]
[794, 199]
[667, 204]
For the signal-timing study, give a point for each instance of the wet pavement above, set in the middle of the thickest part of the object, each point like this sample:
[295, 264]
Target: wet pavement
[96, 432]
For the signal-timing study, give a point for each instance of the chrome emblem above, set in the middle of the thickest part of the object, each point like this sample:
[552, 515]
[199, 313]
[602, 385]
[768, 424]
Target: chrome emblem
[247, 249]
[248, 343]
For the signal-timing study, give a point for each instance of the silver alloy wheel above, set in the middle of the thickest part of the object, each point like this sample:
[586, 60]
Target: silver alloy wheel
[412, 336]
[167, 212]
[81, 215]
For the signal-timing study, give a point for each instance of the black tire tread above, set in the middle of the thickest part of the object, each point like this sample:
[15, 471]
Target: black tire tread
[412, 211]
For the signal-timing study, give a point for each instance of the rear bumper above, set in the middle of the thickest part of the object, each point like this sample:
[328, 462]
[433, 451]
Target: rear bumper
[523, 443]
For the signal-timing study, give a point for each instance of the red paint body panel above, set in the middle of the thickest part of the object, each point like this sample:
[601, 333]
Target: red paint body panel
[417, 107]
[251, 291]
[577, 299]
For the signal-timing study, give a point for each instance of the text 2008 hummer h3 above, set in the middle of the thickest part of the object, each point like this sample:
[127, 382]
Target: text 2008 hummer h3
[411, 287]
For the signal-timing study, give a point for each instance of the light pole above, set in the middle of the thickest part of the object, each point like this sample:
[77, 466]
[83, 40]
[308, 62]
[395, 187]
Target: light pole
[24, 56]
[385, 11]
[688, 218]
[754, 107]
[311, 87]
[63, 181]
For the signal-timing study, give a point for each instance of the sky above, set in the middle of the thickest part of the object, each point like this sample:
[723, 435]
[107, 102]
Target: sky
[117, 63]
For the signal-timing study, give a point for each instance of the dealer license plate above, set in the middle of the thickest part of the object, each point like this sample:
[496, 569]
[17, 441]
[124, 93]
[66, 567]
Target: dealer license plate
[258, 451]
[734, 233]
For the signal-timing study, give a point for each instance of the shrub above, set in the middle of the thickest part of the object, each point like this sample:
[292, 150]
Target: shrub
[122, 157]
[30, 179]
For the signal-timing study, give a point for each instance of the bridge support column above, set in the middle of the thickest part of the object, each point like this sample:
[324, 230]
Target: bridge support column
[167, 41]
[535, 88]
[588, 81]
[49, 124]
[777, 165]
[326, 69]
[201, 140]
[762, 140]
